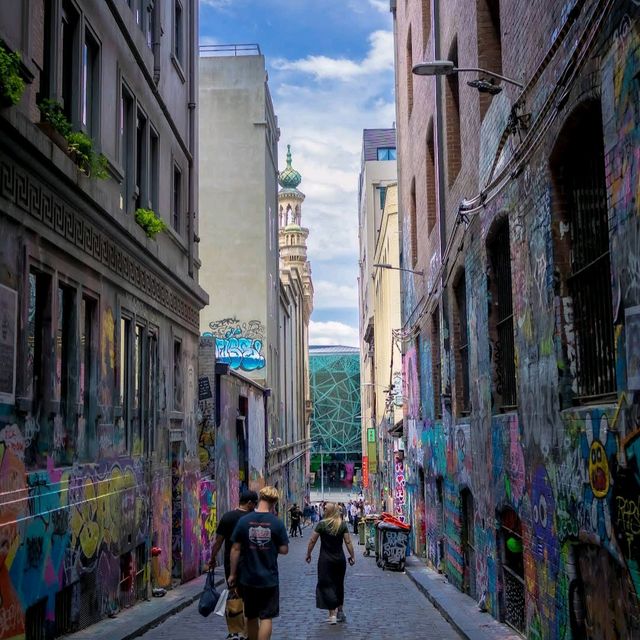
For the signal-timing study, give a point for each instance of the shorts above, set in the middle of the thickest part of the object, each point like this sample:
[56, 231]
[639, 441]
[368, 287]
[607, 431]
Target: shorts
[260, 602]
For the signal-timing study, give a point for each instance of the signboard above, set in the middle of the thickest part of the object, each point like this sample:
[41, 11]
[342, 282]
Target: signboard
[8, 326]
[371, 434]
[365, 471]
[204, 389]
[399, 497]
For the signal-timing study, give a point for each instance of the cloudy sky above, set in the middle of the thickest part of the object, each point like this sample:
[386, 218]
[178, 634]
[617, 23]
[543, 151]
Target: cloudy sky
[330, 65]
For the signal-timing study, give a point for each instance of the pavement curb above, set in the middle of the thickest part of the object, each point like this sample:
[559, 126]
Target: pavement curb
[160, 618]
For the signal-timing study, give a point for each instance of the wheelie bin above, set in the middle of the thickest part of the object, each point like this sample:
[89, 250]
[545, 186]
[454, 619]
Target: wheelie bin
[370, 522]
[392, 539]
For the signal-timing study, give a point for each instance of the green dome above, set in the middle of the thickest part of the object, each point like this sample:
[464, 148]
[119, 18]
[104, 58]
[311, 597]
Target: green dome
[289, 178]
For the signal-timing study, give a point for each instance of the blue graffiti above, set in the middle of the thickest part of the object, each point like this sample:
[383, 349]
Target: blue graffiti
[239, 352]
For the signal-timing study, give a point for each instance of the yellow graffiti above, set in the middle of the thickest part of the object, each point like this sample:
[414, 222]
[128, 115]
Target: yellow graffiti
[598, 470]
[84, 528]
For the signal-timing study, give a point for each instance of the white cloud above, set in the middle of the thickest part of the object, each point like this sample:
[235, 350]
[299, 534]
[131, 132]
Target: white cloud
[380, 5]
[333, 333]
[378, 58]
[217, 4]
[333, 295]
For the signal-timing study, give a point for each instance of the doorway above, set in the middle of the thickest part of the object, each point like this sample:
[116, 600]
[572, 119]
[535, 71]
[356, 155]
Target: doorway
[467, 543]
[512, 562]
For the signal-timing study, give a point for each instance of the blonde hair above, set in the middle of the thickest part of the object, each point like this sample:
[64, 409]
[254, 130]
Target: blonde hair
[332, 517]
[269, 494]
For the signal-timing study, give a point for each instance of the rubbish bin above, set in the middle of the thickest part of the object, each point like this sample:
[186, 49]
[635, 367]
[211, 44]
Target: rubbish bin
[391, 540]
[370, 522]
[361, 531]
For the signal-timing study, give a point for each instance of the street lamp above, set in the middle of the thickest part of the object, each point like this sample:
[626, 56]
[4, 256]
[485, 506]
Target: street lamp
[386, 265]
[447, 67]
[319, 442]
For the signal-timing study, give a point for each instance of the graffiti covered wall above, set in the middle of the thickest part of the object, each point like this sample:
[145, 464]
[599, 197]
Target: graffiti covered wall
[544, 495]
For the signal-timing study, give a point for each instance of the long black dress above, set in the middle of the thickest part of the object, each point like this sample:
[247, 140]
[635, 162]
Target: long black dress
[332, 566]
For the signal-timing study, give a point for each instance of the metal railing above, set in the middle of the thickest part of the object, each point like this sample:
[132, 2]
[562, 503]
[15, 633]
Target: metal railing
[214, 50]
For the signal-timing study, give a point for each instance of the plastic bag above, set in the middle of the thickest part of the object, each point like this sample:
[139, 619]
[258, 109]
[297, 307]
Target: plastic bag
[221, 605]
[210, 596]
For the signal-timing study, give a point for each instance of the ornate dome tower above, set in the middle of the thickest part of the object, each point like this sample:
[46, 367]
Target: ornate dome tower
[293, 237]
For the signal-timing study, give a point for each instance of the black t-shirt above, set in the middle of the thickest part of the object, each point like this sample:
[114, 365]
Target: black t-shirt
[225, 528]
[261, 535]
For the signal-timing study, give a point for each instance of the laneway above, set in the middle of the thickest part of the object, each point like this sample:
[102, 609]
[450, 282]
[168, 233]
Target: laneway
[379, 604]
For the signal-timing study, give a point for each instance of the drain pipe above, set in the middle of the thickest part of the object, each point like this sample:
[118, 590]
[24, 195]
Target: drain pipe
[193, 83]
[442, 208]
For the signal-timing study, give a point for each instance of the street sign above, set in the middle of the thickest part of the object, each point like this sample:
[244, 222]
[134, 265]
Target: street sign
[365, 471]
[371, 434]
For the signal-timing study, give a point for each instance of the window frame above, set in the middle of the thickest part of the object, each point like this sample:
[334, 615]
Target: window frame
[177, 212]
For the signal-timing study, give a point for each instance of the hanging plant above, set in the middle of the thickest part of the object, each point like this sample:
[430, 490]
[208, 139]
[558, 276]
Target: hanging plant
[52, 113]
[11, 81]
[150, 222]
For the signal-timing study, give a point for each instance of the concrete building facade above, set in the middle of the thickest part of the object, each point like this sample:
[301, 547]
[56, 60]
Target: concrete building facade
[377, 171]
[98, 437]
[521, 343]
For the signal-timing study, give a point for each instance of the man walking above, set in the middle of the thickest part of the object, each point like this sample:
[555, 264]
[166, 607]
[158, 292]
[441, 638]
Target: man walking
[248, 502]
[258, 538]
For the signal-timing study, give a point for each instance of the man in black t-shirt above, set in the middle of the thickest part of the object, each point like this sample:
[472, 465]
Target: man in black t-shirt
[258, 539]
[248, 502]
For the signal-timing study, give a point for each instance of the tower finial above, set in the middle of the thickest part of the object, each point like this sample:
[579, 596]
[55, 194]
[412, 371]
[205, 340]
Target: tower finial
[288, 155]
[289, 178]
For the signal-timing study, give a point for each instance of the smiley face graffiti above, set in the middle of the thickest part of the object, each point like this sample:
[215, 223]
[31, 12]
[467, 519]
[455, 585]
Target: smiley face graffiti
[598, 470]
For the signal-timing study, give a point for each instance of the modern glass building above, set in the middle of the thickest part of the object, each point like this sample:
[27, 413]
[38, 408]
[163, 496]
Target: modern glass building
[335, 422]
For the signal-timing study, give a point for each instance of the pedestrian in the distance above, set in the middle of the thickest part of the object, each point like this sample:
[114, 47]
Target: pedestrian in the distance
[332, 566]
[295, 515]
[259, 537]
[248, 502]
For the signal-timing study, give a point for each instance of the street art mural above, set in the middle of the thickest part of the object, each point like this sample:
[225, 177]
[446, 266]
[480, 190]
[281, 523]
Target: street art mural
[239, 344]
[569, 472]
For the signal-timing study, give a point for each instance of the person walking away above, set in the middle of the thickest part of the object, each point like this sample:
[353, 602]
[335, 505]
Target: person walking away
[259, 538]
[294, 514]
[248, 502]
[333, 533]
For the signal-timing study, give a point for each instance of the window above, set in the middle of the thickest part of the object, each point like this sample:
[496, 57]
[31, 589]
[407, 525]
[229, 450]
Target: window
[426, 23]
[177, 375]
[140, 190]
[430, 178]
[489, 43]
[177, 199]
[90, 85]
[409, 74]
[154, 147]
[413, 221]
[382, 196]
[452, 109]
[125, 374]
[435, 363]
[126, 146]
[581, 257]
[70, 80]
[88, 378]
[461, 354]
[64, 354]
[151, 390]
[38, 346]
[178, 32]
[386, 153]
[501, 318]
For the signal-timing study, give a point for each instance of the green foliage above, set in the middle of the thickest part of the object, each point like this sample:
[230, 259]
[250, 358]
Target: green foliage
[11, 82]
[150, 222]
[91, 163]
[52, 112]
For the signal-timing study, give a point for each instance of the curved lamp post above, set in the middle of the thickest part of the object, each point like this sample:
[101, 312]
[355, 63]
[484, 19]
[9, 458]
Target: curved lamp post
[447, 67]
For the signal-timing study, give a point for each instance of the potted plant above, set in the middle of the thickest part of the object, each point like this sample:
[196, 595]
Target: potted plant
[54, 122]
[92, 164]
[11, 81]
[150, 222]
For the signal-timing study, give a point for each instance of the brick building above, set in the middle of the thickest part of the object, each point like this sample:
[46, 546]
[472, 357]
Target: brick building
[99, 321]
[522, 340]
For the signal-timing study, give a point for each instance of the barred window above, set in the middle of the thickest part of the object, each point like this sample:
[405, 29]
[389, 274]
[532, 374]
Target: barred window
[461, 346]
[501, 319]
[582, 260]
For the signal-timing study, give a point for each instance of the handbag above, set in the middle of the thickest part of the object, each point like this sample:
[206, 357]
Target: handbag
[221, 605]
[235, 615]
[209, 597]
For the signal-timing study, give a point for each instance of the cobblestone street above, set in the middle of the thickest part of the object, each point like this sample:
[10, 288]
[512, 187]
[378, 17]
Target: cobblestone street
[379, 605]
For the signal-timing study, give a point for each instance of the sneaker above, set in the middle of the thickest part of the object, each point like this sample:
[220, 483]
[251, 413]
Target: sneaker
[332, 620]
[341, 617]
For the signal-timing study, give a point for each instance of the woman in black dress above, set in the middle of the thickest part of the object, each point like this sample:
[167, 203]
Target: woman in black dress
[333, 533]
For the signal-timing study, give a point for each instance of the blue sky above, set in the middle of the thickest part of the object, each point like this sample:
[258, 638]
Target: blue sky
[330, 65]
